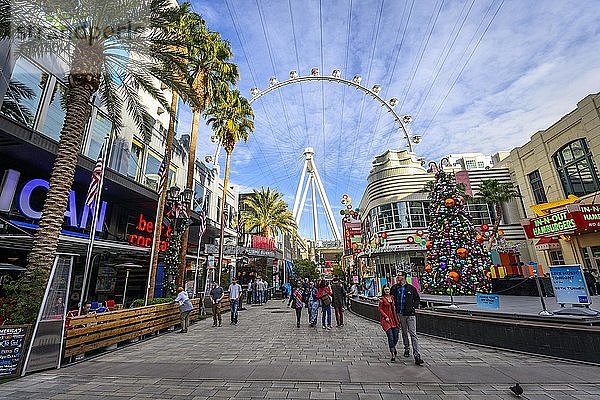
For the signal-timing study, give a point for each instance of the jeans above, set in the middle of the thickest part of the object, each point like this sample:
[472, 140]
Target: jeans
[326, 312]
[339, 315]
[185, 320]
[249, 297]
[216, 312]
[392, 337]
[234, 310]
[409, 327]
[298, 315]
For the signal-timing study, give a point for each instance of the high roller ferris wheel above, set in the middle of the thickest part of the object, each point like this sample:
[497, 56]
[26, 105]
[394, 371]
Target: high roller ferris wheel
[310, 166]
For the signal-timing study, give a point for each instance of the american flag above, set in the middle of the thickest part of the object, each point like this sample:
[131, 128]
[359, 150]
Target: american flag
[94, 189]
[202, 223]
[162, 176]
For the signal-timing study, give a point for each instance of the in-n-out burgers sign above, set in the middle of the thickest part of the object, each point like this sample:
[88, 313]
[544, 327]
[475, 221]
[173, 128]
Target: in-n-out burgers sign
[9, 193]
[574, 218]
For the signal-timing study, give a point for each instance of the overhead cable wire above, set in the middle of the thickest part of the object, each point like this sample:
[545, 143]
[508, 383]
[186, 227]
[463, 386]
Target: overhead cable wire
[464, 66]
[298, 66]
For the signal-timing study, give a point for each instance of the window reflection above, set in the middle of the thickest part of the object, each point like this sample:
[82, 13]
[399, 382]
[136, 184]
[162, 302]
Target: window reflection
[134, 164]
[151, 171]
[24, 93]
[56, 113]
[100, 130]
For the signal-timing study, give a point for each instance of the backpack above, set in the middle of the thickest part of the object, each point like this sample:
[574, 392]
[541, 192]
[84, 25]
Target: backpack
[326, 299]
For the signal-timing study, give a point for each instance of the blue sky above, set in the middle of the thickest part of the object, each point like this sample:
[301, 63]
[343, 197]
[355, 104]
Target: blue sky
[476, 76]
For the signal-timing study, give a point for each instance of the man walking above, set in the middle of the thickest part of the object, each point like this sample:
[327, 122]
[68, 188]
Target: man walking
[185, 308]
[234, 298]
[216, 295]
[407, 301]
[339, 295]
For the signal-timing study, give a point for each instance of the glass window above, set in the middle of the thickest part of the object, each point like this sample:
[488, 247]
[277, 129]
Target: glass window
[576, 168]
[172, 176]
[470, 164]
[480, 213]
[151, 171]
[401, 216]
[207, 198]
[417, 214]
[23, 96]
[537, 187]
[100, 130]
[587, 261]
[56, 113]
[198, 196]
[135, 160]
[480, 164]
[556, 257]
[385, 218]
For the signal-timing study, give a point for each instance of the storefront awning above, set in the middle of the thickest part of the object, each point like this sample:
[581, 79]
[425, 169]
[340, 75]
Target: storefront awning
[545, 244]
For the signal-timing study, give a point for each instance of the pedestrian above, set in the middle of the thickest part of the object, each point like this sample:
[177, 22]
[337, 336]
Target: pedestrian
[324, 295]
[590, 281]
[250, 292]
[185, 308]
[339, 295]
[254, 291]
[297, 302]
[313, 304]
[216, 295]
[389, 320]
[407, 301]
[234, 299]
[352, 293]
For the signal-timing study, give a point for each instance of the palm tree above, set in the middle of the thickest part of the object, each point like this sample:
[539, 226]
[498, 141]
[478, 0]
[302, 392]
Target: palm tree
[495, 193]
[268, 213]
[115, 64]
[210, 70]
[231, 119]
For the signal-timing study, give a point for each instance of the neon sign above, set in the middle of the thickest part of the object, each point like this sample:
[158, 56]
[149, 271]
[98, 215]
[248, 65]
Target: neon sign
[145, 234]
[8, 192]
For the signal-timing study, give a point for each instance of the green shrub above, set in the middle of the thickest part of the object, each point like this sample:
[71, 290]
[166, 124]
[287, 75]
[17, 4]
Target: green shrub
[156, 300]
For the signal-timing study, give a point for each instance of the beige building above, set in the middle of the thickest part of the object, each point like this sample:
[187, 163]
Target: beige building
[556, 172]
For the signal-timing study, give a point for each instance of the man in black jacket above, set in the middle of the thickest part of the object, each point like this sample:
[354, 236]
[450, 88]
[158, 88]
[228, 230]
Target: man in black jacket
[407, 301]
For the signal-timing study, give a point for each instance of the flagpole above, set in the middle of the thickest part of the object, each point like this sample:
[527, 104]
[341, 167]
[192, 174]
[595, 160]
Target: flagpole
[96, 207]
[200, 234]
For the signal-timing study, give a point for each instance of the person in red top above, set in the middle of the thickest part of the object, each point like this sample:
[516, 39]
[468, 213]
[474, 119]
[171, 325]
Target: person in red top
[326, 298]
[389, 320]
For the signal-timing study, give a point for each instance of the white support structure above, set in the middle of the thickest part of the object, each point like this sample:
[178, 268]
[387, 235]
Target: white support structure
[314, 180]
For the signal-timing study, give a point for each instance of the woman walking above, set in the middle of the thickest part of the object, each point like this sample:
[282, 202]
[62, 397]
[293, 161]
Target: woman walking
[389, 320]
[297, 302]
[324, 295]
[313, 304]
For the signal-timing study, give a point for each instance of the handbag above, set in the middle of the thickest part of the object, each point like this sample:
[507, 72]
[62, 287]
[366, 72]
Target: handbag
[326, 299]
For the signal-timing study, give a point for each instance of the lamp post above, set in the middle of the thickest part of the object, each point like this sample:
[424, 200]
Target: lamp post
[178, 204]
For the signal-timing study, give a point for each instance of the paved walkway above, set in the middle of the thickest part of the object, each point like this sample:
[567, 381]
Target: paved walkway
[266, 356]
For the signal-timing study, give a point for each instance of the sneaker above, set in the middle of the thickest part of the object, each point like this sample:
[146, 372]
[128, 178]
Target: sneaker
[297, 325]
[219, 324]
[214, 325]
[419, 361]
[329, 328]
[406, 353]
[393, 359]
[182, 331]
[324, 327]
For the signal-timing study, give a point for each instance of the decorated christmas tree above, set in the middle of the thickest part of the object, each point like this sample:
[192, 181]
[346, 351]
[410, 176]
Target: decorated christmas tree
[171, 264]
[456, 259]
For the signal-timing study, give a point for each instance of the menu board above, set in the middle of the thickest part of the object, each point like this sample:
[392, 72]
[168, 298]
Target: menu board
[13, 347]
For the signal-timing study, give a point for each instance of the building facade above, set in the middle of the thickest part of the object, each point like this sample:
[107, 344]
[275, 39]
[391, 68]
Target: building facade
[557, 174]
[29, 132]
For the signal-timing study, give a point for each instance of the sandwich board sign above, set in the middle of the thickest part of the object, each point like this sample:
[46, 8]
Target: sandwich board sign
[569, 285]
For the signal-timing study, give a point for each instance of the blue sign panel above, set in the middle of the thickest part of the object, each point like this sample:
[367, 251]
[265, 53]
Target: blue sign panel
[569, 284]
[488, 301]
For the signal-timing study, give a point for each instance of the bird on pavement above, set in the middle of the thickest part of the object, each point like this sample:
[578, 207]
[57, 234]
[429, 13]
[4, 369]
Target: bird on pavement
[517, 390]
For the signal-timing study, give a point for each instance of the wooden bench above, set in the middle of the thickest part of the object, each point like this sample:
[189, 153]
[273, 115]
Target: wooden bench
[96, 331]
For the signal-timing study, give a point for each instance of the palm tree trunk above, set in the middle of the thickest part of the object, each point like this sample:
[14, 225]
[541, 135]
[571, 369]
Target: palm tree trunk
[223, 202]
[160, 208]
[31, 285]
[499, 215]
[189, 185]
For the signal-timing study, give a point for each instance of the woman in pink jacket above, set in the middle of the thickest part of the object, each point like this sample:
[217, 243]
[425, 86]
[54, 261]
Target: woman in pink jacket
[389, 320]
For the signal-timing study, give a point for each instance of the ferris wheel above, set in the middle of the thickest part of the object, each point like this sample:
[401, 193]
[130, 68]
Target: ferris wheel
[309, 172]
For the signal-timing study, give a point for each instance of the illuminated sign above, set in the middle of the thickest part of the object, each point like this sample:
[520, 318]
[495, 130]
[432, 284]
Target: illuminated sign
[8, 192]
[145, 234]
[575, 217]
[261, 242]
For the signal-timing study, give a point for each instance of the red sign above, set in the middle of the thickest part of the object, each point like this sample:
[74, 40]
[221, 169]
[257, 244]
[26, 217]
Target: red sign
[145, 234]
[261, 242]
[573, 218]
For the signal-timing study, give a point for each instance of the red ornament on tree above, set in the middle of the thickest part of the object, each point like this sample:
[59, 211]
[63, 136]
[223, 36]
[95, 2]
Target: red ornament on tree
[454, 276]
[383, 235]
[480, 238]
[462, 252]
[485, 227]
[449, 202]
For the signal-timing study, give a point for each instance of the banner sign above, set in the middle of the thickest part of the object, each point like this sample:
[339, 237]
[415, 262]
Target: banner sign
[574, 217]
[569, 284]
[355, 279]
[488, 301]
[13, 342]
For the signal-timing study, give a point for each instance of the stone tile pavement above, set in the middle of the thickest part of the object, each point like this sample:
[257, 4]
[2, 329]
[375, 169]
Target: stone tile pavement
[266, 356]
